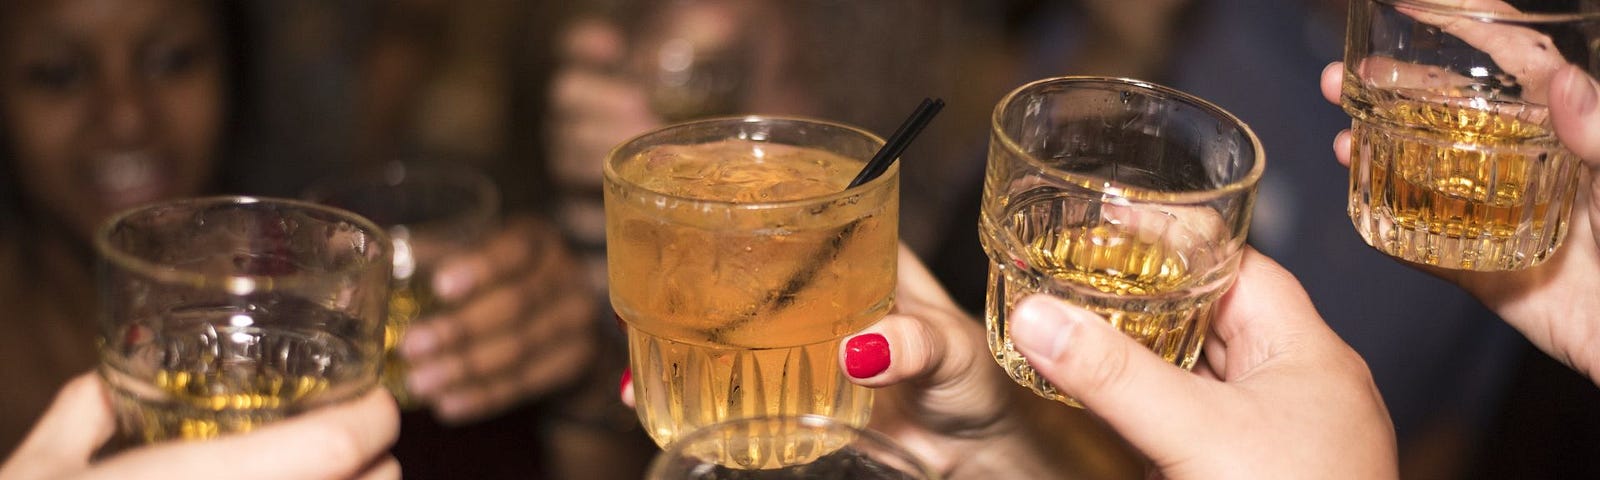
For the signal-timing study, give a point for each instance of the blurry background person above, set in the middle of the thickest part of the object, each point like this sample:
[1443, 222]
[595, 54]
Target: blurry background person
[108, 104]
[105, 105]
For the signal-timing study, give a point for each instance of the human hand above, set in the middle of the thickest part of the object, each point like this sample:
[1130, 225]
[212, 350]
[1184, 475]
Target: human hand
[1278, 391]
[594, 107]
[344, 441]
[1553, 303]
[949, 401]
[520, 325]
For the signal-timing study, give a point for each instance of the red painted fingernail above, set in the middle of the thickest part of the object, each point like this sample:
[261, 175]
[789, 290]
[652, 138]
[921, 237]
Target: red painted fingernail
[866, 356]
[627, 379]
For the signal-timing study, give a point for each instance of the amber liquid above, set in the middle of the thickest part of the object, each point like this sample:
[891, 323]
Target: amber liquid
[741, 315]
[1473, 187]
[1134, 275]
[407, 303]
[210, 371]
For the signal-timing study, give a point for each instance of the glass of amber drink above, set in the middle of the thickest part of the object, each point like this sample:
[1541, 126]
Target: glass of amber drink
[222, 314]
[431, 210]
[739, 261]
[793, 448]
[1126, 198]
[1454, 160]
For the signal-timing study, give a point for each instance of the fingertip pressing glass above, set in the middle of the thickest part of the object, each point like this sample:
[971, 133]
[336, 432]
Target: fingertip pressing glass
[1454, 159]
[1123, 197]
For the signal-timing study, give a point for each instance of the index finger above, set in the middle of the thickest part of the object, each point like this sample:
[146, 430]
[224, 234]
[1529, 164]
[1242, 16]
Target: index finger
[335, 442]
[77, 423]
[1521, 51]
[509, 250]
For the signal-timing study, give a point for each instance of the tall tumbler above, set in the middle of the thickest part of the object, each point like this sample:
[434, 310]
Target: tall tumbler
[1126, 198]
[222, 314]
[1455, 162]
[739, 262]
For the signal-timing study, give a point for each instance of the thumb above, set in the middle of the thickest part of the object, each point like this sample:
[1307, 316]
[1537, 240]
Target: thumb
[952, 386]
[77, 423]
[1575, 108]
[1155, 405]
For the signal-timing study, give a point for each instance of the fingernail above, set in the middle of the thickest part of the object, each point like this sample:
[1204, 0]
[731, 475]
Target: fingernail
[424, 381]
[1042, 326]
[866, 356]
[1584, 88]
[627, 381]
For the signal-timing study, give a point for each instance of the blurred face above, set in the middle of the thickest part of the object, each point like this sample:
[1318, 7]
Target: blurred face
[109, 103]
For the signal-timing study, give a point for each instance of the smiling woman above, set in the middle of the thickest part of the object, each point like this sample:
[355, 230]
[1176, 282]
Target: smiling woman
[110, 103]
[105, 104]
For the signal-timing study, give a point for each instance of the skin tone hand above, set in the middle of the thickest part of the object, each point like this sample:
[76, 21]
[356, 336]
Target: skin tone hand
[1554, 303]
[1278, 395]
[520, 325]
[593, 108]
[343, 441]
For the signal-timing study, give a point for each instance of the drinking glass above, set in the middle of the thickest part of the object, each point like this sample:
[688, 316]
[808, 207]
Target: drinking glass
[739, 261]
[694, 58]
[1454, 162]
[1123, 197]
[222, 314]
[431, 211]
[786, 448]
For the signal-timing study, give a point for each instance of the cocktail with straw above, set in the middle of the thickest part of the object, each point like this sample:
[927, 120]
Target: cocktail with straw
[740, 253]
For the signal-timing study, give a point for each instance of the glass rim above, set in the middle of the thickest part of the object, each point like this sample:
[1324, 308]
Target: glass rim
[1494, 16]
[233, 282]
[1244, 183]
[483, 189]
[813, 421]
[610, 174]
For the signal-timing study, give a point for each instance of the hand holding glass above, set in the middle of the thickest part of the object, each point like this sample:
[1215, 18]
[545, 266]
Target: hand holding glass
[1129, 199]
[1453, 160]
[431, 211]
[739, 261]
[786, 448]
[222, 314]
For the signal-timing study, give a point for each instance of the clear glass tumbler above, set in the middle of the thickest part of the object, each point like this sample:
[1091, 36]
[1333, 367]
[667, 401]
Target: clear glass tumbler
[1454, 160]
[1126, 198]
[222, 314]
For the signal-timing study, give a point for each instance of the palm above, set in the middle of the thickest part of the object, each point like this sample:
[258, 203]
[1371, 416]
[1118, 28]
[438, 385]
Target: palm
[1554, 304]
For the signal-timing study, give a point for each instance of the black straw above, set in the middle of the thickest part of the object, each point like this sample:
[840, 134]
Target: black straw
[898, 142]
[879, 163]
